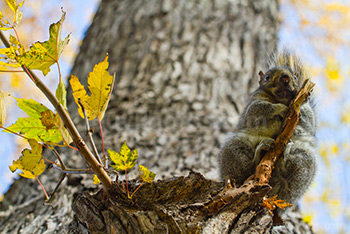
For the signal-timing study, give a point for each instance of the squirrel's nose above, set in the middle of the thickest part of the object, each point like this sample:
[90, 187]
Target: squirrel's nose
[284, 79]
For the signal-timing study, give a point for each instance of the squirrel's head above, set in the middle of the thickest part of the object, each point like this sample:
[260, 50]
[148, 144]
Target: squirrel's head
[280, 84]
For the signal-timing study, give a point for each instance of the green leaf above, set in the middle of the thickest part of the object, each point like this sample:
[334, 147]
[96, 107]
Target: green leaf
[33, 128]
[100, 84]
[146, 175]
[42, 55]
[41, 125]
[124, 160]
[31, 107]
[30, 162]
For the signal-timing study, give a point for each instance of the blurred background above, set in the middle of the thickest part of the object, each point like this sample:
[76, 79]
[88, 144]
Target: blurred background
[319, 31]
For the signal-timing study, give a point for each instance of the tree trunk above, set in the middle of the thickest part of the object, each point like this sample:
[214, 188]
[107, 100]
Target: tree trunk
[184, 72]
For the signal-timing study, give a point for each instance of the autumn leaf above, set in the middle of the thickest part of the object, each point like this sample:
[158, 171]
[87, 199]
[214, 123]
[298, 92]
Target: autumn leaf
[4, 24]
[2, 108]
[61, 94]
[67, 139]
[30, 163]
[41, 124]
[9, 54]
[42, 55]
[307, 219]
[146, 175]
[96, 180]
[31, 107]
[100, 84]
[124, 160]
[15, 8]
[272, 203]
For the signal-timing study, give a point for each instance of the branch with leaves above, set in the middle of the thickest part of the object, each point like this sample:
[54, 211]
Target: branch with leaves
[48, 128]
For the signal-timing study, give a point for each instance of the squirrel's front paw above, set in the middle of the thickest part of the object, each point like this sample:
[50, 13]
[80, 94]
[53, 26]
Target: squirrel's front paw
[264, 145]
[280, 109]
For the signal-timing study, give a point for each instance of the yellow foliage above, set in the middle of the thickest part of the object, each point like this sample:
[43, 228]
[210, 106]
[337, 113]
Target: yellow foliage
[146, 175]
[334, 81]
[16, 80]
[328, 150]
[5, 24]
[100, 84]
[30, 163]
[307, 218]
[2, 108]
[124, 160]
[42, 55]
[96, 180]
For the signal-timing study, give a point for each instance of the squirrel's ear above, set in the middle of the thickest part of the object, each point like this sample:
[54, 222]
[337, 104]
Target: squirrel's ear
[262, 76]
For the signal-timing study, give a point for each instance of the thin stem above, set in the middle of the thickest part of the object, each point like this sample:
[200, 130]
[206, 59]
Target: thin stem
[126, 182]
[137, 189]
[89, 132]
[73, 171]
[72, 147]
[79, 142]
[103, 145]
[58, 157]
[57, 186]
[48, 160]
[42, 187]
[8, 130]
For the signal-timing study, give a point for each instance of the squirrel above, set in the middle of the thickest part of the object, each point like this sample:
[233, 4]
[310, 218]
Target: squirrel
[260, 124]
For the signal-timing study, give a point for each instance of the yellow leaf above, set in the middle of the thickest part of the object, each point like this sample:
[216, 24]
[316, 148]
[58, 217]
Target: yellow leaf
[146, 175]
[2, 108]
[334, 80]
[100, 84]
[42, 55]
[96, 180]
[61, 94]
[307, 219]
[67, 139]
[30, 163]
[4, 24]
[124, 160]
[15, 8]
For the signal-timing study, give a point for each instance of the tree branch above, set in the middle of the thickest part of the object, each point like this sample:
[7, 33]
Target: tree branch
[68, 123]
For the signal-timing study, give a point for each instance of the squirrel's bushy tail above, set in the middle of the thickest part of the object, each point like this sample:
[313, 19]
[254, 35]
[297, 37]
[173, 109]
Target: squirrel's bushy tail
[285, 58]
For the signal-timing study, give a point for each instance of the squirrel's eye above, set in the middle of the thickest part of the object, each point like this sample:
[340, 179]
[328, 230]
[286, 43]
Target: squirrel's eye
[267, 77]
[295, 77]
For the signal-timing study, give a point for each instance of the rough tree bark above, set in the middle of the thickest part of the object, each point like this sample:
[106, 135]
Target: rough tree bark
[184, 72]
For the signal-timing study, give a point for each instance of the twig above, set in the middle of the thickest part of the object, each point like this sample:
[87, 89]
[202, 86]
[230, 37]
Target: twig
[56, 188]
[57, 156]
[266, 165]
[89, 133]
[73, 171]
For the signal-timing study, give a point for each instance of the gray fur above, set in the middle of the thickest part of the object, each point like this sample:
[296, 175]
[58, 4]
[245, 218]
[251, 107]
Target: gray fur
[256, 131]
